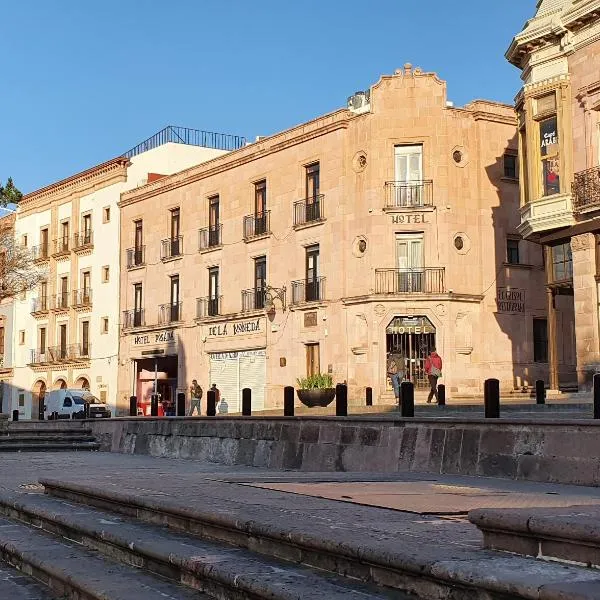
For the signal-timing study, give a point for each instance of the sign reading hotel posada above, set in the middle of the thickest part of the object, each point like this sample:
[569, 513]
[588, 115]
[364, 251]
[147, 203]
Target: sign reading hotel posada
[510, 300]
[160, 337]
[236, 328]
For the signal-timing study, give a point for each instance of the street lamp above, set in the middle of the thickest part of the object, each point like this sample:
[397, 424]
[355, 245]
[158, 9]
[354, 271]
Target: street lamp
[272, 294]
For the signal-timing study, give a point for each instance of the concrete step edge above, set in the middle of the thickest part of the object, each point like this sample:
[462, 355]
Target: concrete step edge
[87, 446]
[42, 566]
[46, 438]
[212, 576]
[330, 555]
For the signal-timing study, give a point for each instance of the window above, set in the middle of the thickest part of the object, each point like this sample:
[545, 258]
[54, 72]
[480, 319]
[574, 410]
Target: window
[105, 274]
[540, 340]
[1, 343]
[62, 336]
[64, 236]
[44, 295]
[24, 240]
[213, 221]
[260, 207]
[138, 306]
[174, 305]
[44, 243]
[312, 274]
[22, 337]
[562, 262]
[104, 328]
[213, 291]
[106, 214]
[511, 166]
[312, 360]
[67, 403]
[85, 338]
[21, 399]
[512, 251]
[86, 227]
[138, 234]
[63, 297]
[86, 284]
[42, 340]
[260, 281]
[175, 232]
[313, 204]
[549, 151]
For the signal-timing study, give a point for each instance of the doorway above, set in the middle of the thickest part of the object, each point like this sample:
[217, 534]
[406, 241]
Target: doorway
[38, 399]
[413, 338]
[156, 374]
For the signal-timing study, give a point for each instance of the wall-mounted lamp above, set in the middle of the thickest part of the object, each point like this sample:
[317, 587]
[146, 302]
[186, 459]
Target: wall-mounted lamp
[272, 294]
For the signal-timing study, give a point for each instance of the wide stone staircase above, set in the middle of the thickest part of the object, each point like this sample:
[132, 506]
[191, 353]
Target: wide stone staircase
[42, 436]
[89, 542]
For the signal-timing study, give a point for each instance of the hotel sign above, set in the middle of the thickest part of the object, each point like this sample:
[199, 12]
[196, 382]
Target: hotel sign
[409, 219]
[160, 337]
[236, 328]
[510, 300]
[417, 325]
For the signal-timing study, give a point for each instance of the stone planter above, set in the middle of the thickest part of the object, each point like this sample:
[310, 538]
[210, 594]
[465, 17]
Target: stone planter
[316, 397]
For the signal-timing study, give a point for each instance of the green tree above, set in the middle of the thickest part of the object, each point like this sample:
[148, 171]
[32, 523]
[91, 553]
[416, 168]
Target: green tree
[9, 194]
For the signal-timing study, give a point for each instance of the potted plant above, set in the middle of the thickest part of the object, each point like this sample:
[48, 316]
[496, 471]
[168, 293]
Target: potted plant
[316, 390]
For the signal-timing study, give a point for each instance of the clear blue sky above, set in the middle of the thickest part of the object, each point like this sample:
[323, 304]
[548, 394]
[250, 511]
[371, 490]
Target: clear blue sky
[82, 81]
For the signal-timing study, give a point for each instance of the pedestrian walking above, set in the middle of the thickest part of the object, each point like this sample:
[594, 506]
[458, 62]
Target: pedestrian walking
[215, 389]
[395, 371]
[196, 398]
[433, 370]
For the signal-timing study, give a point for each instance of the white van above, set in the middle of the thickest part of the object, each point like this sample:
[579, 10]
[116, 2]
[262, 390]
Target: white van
[70, 404]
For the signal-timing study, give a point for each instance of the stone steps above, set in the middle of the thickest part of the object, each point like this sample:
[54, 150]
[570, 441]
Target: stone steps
[59, 446]
[16, 586]
[46, 437]
[399, 563]
[219, 570]
[570, 535]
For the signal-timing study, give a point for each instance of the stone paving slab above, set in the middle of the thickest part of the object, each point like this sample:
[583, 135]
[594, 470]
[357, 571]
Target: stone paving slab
[16, 586]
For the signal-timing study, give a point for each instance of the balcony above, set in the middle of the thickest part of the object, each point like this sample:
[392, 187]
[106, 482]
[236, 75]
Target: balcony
[80, 351]
[308, 290]
[40, 253]
[546, 214]
[171, 248]
[408, 194]
[62, 247]
[210, 238]
[61, 354]
[208, 307]
[83, 241]
[60, 302]
[136, 257]
[40, 305]
[257, 225]
[169, 313]
[409, 281]
[39, 357]
[309, 211]
[82, 298]
[253, 299]
[133, 318]
[56, 354]
[586, 190]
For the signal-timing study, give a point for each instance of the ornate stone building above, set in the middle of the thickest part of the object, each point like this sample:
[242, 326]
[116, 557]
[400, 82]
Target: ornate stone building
[558, 108]
[390, 225]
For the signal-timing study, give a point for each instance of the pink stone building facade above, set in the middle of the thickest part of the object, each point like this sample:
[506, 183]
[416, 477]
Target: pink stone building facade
[390, 225]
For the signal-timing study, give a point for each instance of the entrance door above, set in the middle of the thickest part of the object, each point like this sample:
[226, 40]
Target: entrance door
[408, 165]
[409, 256]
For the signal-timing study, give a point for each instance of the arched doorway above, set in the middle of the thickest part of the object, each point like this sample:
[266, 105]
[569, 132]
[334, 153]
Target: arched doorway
[38, 395]
[60, 384]
[83, 383]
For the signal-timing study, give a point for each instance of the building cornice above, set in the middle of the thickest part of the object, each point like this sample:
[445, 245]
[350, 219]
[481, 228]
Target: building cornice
[265, 147]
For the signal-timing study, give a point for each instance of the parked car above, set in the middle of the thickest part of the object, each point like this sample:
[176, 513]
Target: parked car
[71, 403]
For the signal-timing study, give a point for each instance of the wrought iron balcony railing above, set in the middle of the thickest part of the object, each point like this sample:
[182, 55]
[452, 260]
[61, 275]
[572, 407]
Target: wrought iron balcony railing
[136, 257]
[39, 357]
[171, 248]
[257, 224]
[586, 189]
[133, 318]
[408, 194]
[40, 253]
[60, 301]
[82, 297]
[308, 290]
[409, 281]
[208, 307]
[210, 237]
[80, 351]
[62, 246]
[309, 210]
[59, 353]
[83, 240]
[253, 299]
[170, 313]
[39, 305]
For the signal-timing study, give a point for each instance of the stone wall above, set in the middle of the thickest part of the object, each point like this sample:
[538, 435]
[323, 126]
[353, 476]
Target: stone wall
[547, 451]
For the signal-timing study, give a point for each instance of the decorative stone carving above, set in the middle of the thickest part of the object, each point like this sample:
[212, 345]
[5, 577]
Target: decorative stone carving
[379, 310]
[359, 161]
[581, 242]
[440, 309]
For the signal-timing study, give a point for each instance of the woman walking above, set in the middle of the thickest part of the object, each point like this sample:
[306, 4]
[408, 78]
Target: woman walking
[433, 370]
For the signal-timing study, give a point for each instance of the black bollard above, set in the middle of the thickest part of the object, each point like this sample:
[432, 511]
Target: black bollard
[181, 404]
[597, 396]
[491, 398]
[246, 402]
[441, 395]
[369, 396]
[86, 410]
[211, 403]
[407, 393]
[133, 406]
[540, 392]
[41, 409]
[341, 400]
[154, 405]
[15, 415]
[288, 401]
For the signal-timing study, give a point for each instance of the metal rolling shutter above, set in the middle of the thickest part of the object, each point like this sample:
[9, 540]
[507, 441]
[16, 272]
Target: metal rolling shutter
[253, 374]
[224, 371]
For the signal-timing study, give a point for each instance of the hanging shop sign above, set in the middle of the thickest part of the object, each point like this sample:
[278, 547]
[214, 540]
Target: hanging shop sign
[409, 219]
[410, 325]
[510, 300]
[158, 337]
[236, 328]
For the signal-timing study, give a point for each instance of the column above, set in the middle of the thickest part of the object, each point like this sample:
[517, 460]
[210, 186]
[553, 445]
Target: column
[552, 341]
